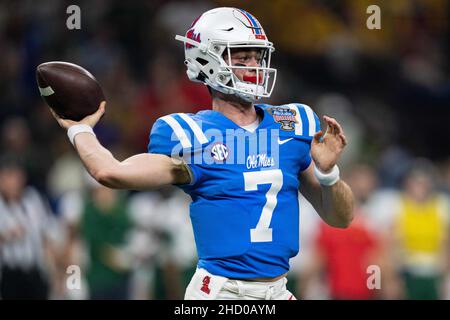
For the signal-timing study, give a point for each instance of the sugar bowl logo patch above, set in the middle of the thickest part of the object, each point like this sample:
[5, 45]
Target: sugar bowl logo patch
[284, 116]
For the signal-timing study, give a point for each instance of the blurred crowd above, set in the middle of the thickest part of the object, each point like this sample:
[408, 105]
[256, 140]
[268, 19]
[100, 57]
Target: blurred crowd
[389, 88]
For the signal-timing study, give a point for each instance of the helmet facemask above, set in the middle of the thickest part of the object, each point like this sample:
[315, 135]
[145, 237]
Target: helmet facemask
[250, 88]
[210, 67]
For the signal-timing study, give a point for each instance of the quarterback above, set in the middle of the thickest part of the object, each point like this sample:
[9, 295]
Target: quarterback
[242, 162]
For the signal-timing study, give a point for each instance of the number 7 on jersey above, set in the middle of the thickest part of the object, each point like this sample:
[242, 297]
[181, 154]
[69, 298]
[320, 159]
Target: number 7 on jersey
[262, 232]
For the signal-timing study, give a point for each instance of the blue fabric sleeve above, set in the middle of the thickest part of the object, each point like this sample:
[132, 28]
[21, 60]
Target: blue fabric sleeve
[306, 161]
[163, 140]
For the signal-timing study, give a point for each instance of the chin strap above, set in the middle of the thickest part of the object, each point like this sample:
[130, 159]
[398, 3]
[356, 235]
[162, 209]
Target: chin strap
[250, 88]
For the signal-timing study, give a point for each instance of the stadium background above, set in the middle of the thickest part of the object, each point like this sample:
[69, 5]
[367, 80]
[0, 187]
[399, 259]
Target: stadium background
[390, 89]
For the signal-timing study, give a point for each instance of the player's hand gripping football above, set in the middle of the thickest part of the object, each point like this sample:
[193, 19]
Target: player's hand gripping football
[326, 151]
[90, 120]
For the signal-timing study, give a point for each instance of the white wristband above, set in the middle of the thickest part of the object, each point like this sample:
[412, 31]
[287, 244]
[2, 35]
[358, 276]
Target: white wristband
[76, 129]
[327, 179]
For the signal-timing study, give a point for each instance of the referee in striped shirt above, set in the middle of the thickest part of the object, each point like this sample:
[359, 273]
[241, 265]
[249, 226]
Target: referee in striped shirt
[24, 217]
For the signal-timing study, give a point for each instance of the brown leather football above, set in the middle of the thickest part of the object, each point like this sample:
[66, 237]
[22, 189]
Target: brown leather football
[70, 90]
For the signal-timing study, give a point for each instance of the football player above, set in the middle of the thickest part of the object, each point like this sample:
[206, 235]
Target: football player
[242, 163]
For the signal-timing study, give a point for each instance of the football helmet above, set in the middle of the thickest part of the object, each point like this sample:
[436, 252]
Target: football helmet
[213, 36]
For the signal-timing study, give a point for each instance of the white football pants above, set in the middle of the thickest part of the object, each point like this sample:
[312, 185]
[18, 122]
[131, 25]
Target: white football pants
[206, 286]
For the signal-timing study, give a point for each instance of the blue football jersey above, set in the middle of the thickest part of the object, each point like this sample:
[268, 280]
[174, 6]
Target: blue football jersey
[244, 187]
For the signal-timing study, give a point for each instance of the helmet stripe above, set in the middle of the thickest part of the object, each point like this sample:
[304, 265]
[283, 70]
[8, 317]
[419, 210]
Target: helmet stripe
[253, 22]
[253, 30]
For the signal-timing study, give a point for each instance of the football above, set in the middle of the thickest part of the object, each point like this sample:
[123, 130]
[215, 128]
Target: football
[70, 90]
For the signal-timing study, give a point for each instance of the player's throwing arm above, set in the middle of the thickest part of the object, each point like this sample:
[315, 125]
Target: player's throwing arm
[60, 85]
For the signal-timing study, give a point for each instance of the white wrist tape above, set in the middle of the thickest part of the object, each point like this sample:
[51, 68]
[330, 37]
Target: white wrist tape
[327, 179]
[78, 128]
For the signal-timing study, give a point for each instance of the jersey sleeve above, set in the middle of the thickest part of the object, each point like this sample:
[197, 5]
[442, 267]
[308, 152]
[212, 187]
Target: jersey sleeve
[163, 140]
[168, 137]
[309, 126]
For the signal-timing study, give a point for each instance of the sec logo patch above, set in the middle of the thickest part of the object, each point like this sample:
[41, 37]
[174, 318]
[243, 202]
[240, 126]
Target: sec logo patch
[219, 151]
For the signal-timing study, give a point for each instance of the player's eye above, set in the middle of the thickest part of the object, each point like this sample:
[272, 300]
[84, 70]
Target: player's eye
[259, 57]
[249, 57]
[243, 58]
